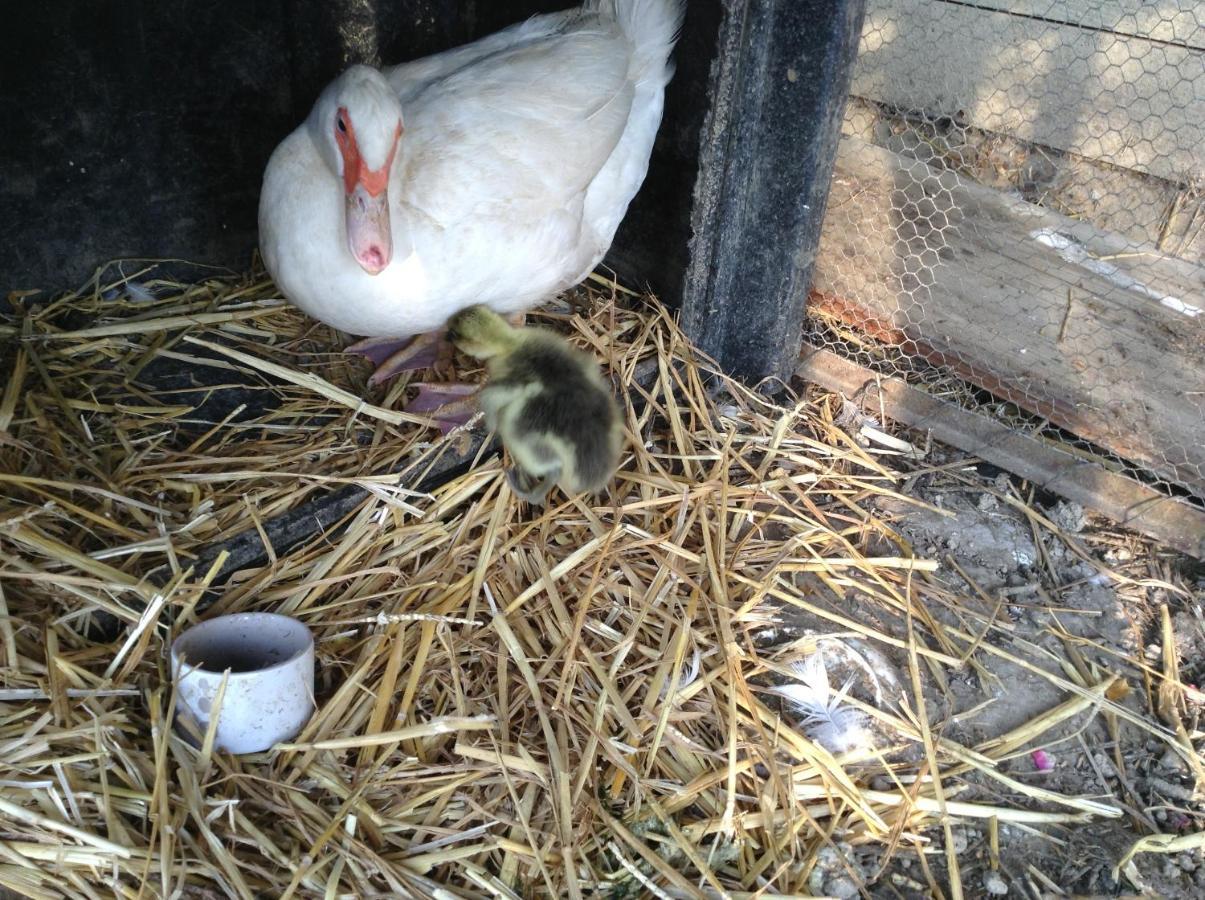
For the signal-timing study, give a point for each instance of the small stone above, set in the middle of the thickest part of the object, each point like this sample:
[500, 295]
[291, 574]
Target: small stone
[959, 838]
[843, 887]
[1105, 765]
[1068, 516]
[829, 876]
[1023, 556]
[994, 883]
[1119, 555]
[1172, 761]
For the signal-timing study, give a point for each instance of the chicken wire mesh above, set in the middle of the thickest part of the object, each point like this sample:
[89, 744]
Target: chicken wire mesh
[1017, 221]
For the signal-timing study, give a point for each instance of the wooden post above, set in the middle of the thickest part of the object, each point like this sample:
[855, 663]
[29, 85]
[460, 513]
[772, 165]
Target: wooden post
[778, 88]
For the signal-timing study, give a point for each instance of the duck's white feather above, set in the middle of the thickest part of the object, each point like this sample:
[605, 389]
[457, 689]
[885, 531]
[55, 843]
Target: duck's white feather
[520, 155]
[827, 720]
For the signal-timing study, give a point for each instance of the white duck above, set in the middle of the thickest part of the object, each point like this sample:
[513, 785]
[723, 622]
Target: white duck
[494, 173]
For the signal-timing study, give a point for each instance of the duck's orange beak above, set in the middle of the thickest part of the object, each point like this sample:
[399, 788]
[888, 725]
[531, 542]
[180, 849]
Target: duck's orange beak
[366, 202]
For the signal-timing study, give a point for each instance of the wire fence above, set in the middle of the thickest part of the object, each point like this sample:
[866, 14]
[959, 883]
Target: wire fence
[1017, 221]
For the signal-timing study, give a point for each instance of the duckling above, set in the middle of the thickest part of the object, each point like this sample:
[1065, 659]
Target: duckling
[548, 403]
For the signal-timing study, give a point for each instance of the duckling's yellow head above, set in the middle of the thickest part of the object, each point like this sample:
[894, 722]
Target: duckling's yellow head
[480, 332]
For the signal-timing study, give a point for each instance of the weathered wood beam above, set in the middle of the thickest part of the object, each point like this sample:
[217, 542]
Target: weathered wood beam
[778, 88]
[1170, 521]
[1069, 322]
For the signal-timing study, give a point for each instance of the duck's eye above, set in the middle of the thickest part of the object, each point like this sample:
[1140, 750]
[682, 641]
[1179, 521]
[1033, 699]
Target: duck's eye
[340, 124]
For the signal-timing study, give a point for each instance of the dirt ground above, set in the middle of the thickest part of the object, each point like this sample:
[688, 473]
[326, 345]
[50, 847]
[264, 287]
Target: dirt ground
[1082, 594]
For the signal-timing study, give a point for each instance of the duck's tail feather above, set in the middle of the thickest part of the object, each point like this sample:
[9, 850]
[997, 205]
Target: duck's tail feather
[652, 26]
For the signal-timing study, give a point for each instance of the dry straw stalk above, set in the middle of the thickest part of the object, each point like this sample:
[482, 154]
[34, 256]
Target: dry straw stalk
[512, 703]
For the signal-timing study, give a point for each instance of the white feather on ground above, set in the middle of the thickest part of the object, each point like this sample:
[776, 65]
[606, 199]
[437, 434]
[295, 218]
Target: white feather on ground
[131, 290]
[826, 720]
[687, 678]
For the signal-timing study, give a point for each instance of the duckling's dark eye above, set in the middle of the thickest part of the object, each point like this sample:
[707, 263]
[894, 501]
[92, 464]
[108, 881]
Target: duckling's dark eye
[340, 124]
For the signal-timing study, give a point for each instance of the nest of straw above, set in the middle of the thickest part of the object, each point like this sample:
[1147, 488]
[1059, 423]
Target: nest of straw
[575, 701]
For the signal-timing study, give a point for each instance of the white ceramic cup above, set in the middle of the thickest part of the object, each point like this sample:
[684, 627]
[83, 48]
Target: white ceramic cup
[269, 695]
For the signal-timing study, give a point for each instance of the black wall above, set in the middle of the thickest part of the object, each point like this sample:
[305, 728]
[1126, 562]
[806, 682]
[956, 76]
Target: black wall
[141, 127]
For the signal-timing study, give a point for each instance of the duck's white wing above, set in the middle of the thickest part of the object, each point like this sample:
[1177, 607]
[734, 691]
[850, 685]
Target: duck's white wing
[410, 78]
[528, 126]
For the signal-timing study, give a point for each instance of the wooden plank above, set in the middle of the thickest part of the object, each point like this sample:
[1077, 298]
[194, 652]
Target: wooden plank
[776, 94]
[1163, 21]
[1066, 321]
[1121, 99]
[1169, 521]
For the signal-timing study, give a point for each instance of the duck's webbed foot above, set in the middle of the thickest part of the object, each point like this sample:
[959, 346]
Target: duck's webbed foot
[392, 356]
[451, 404]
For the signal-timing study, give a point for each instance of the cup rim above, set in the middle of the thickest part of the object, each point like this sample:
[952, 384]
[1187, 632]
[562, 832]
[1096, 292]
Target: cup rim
[182, 667]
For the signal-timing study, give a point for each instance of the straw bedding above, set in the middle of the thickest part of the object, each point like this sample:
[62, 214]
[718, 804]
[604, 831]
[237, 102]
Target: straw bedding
[574, 701]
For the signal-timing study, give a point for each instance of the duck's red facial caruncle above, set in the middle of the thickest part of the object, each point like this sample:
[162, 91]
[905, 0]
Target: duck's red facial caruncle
[366, 198]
